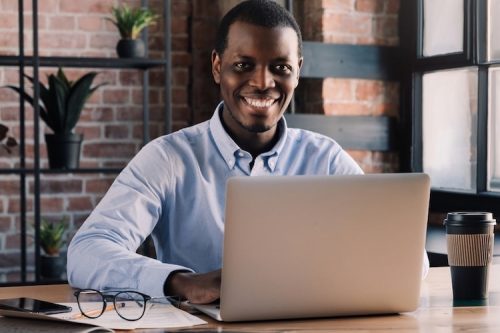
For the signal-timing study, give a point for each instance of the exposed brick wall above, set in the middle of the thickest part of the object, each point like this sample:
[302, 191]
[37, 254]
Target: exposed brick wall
[111, 121]
[356, 22]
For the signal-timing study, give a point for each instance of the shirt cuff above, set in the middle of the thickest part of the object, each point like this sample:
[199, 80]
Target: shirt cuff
[152, 277]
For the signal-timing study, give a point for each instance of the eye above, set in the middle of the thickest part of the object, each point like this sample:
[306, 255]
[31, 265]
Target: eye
[283, 69]
[242, 66]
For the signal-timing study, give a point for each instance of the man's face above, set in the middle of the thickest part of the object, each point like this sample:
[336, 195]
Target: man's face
[257, 74]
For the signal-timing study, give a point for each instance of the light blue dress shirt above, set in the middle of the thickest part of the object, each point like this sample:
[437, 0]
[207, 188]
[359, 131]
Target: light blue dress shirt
[174, 189]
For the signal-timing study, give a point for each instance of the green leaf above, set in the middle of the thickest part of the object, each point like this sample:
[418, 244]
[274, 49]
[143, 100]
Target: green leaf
[59, 96]
[52, 236]
[43, 112]
[130, 22]
[78, 95]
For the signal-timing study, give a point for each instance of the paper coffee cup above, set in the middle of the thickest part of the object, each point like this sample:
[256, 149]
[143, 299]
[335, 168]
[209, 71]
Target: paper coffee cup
[469, 238]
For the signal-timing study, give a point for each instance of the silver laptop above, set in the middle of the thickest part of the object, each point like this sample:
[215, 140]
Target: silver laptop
[322, 246]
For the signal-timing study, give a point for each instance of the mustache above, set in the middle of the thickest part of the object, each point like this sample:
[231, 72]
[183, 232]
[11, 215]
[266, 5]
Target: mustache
[260, 94]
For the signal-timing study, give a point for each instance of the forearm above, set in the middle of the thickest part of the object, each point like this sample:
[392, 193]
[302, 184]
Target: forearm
[99, 263]
[197, 288]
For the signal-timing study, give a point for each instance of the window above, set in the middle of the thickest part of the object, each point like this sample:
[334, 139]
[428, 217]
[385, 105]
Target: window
[453, 80]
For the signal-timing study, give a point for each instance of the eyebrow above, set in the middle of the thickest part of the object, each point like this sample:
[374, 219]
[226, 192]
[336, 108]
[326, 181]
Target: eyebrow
[248, 58]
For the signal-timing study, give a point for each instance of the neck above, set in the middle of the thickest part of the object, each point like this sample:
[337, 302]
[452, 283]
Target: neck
[252, 142]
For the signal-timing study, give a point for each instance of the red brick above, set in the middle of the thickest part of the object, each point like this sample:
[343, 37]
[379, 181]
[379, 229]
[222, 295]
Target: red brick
[392, 6]
[179, 25]
[13, 241]
[109, 150]
[9, 187]
[179, 43]
[89, 23]
[348, 24]
[89, 132]
[386, 27]
[179, 96]
[51, 205]
[370, 6]
[72, 41]
[5, 223]
[8, 113]
[117, 131]
[181, 8]
[14, 205]
[129, 113]
[64, 23]
[47, 6]
[98, 185]
[368, 90]
[347, 109]
[48, 186]
[97, 114]
[180, 77]
[154, 97]
[181, 59]
[80, 204]
[337, 5]
[8, 22]
[104, 41]
[203, 8]
[130, 78]
[337, 89]
[87, 7]
[116, 96]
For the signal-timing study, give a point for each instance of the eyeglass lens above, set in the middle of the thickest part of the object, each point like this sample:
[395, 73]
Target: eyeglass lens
[91, 303]
[130, 305]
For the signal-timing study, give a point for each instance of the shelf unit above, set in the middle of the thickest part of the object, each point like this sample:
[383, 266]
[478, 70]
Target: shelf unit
[35, 62]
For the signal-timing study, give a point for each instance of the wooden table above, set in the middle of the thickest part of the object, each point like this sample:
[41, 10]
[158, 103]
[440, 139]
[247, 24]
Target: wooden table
[435, 314]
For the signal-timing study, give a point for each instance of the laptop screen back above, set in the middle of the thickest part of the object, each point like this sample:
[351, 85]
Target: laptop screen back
[314, 246]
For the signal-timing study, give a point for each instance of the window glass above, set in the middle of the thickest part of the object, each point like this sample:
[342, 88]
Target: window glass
[494, 30]
[449, 128]
[494, 130]
[443, 27]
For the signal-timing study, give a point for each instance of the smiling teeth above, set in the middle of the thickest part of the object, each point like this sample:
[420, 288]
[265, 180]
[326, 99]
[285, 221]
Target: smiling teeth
[259, 103]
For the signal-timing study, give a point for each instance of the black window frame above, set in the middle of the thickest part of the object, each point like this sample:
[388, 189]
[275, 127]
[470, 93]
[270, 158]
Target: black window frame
[473, 55]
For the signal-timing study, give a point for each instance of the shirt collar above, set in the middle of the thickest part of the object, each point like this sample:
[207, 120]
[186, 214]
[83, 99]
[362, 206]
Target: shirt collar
[229, 149]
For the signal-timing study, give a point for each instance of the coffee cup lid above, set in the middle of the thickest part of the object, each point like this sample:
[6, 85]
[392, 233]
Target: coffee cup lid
[466, 217]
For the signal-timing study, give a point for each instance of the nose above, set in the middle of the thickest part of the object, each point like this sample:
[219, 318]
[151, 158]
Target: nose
[262, 78]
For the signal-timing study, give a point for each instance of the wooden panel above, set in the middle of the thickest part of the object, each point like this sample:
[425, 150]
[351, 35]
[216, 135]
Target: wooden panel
[350, 61]
[351, 132]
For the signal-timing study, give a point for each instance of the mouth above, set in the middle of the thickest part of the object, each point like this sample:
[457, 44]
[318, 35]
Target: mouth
[261, 103]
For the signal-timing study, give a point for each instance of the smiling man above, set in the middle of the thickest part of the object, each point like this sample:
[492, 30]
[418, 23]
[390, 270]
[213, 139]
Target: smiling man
[174, 189]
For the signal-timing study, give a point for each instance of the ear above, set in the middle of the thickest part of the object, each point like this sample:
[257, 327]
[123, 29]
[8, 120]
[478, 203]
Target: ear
[216, 63]
[301, 60]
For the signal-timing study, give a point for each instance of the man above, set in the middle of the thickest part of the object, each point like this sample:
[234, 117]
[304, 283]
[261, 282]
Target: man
[174, 188]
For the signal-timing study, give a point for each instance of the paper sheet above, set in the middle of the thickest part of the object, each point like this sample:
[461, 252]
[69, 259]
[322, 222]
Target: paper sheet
[158, 316]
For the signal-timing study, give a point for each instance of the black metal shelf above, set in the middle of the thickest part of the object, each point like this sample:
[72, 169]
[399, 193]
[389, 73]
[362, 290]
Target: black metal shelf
[34, 61]
[135, 63]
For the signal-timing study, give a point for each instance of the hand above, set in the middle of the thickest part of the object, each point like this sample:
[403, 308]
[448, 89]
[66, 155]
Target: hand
[196, 288]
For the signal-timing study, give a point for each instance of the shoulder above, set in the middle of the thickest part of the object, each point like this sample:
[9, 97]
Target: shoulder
[320, 146]
[180, 140]
[305, 138]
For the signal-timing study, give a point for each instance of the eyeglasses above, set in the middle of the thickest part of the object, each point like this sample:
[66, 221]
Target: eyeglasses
[129, 305]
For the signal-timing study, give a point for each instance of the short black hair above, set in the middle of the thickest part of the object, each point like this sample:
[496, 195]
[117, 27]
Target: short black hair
[264, 13]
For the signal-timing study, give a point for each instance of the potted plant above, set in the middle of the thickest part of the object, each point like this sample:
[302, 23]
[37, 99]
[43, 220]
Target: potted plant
[61, 104]
[6, 142]
[130, 22]
[51, 241]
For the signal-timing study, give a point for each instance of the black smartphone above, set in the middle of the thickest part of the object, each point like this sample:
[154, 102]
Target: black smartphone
[24, 304]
